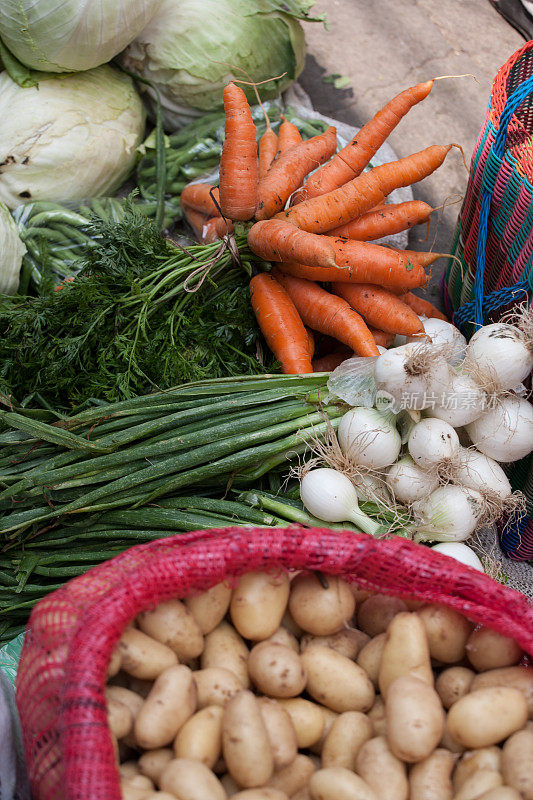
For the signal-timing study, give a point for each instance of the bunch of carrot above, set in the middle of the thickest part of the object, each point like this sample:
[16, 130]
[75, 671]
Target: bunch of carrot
[326, 234]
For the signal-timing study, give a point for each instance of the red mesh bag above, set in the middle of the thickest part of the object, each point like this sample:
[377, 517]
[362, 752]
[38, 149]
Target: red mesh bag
[72, 632]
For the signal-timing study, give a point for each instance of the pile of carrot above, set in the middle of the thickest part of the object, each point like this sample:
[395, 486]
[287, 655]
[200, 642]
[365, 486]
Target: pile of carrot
[327, 274]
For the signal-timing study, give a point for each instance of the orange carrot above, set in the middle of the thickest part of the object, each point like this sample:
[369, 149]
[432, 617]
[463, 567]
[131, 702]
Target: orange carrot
[351, 275]
[196, 220]
[352, 159]
[329, 314]
[238, 163]
[321, 214]
[288, 136]
[422, 257]
[385, 220]
[268, 147]
[215, 228]
[374, 263]
[380, 308]
[310, 342]
[281, 324]
[197, 196]
[422, 307]
[288, 171]
[381, 337]
[331, 361]
[275, 240]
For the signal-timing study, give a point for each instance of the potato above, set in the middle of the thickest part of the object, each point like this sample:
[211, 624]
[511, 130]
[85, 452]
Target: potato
[281, 732]
[375, 614]
[382, 771]
[210, 607]
[377, 717]
[453, 683]
[264, 793]
[414, 717]
[173, 624]
[289, 623]
[430, 779]
[130, 699]
[245, 744]
[142, 656]
[406, 652]
[487, 649]
[345, 738]
[474, 760]
[191, 780]
[487, 716]
[160, 796]
[369, 657]
[302, 794]
[337, 783]
[501, 793]
[131, 792]
[347, 642]
[258, 603]
[336, 682]
[517, 763]
[153, 762]
[200, 738]
[294, 777]
[139, 781]
[520, 678]
[481, 781]
[119, 718]
[317, 610]
[283, 636]
[225, 648]
[329, 718]
[215, 686]
[230, 786]
[449, 743]
[170, 703]
[307, 718]
[115, 663]
[128, 769]
[276, 670]
[447, 632]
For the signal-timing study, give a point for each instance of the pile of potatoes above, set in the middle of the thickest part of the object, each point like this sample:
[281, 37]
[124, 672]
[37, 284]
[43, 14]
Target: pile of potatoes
[304, 687]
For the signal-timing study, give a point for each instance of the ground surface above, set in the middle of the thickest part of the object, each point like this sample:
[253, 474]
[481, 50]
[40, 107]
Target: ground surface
[384, 46]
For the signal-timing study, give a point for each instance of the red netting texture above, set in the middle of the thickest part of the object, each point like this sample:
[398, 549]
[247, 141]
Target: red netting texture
[72, 632]
[520, 130]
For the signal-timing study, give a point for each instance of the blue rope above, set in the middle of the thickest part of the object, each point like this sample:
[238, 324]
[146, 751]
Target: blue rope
[490, 302]
[498, 148]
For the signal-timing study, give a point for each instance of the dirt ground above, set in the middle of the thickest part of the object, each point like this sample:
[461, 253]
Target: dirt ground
[384, 46]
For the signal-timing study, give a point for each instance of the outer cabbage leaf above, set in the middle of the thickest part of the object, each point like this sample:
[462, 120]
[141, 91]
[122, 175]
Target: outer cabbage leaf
[11, 252]
[192, 48]
[71, 35]
[73, 137]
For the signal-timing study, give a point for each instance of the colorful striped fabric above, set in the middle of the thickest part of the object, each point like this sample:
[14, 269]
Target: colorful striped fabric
[493, 245]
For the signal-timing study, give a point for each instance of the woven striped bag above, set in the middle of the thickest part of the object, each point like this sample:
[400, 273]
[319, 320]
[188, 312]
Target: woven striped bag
[493, 242]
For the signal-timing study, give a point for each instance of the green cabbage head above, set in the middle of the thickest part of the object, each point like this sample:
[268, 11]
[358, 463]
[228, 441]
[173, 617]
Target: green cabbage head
[192, 48]
[72, 138]
[71, 35]
[11, 252]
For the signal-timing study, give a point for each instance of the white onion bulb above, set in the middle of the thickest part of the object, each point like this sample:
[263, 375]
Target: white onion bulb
[462, 402]
[412, 386]
[432, 442]
[330, 495]
[369, 438]
[408, 482]
[478, 471]
[504, 432]
[502, 351]
[461, 552]
[444, 333]
[449, 514]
